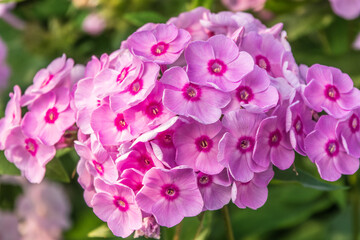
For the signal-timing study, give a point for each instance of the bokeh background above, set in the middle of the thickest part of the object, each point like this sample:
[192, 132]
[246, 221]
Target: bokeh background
[297, 209]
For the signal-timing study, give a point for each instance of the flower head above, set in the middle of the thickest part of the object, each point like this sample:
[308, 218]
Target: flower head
[170, 195]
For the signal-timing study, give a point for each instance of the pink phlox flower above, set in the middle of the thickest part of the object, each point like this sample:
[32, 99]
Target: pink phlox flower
[49, 116]
[197, 146]
[57, 74]
[28, 154]
[12, 115]
[215, 189]
[161, 141]
[116, 205]
[299, 124]
[123, 70]
[113, 128]
[255, 93]
[151, 112]
[98, 161]
[210, 63]
[272, 144]
[219, 23]
[190, 21]
[170, 195]
[182, 97]
[162, 45]
[132, 178]
[348, 129]
[140, 157]
[137, 90]
[252, 194]
[86, 180]
[236, 147]
[325, 148]
[268, 52]
[331, 90]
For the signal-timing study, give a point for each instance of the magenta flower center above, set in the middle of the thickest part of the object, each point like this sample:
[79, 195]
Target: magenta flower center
[244, 94]
[98, 167]
[170, 191]
[121, 203]
[204, 144]
[136, 86]
[263, 62]
[31, 146]
[204, 180]
[332, 148]
[124, 72]
[154, 110]
[192, 92]
[331, 92]
[165, 138]
[275, 138]
[245, 144]
[119, 122]
[47, 81]
[159, 48]
[51, 115]
[298, 126]
[354, 123]
[145, 162]
[217, 67]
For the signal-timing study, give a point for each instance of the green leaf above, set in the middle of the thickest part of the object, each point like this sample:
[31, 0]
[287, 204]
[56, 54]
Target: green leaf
[306, 180]
[102, 231]
[305, 20]
[140, 18]
[56, 171]
[287, 206]
[7, 167]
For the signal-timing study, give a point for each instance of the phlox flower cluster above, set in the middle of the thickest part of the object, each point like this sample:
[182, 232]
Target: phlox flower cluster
[185, 117]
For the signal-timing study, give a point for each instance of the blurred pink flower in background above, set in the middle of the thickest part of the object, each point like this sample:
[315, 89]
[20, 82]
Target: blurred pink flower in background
[94, 24]
[9, 17]
[4, 69]
[241, 5]
[9, 226]
[348, 9]
[44, 211]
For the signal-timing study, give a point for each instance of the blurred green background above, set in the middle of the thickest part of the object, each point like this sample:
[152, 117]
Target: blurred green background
[298, 208]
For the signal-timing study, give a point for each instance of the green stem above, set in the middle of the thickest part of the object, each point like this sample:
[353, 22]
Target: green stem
[177, 231]
[226, 215]
[200, 228]
[356, 203]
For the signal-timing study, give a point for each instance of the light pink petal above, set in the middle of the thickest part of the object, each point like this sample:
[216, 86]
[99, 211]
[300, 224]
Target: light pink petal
[314, 94]
[167, 213]
[103, 205]
[175, 101]
[226, 54]
[282, 157]
[327, 169]
[346, 164]
[175, 77]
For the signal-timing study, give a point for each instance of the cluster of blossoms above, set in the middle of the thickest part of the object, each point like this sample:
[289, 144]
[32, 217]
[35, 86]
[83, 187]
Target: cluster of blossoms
[185, 117]
[42, 211]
